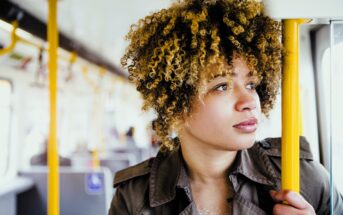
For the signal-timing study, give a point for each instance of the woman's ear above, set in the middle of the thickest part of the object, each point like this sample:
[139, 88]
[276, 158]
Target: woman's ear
[186, 124]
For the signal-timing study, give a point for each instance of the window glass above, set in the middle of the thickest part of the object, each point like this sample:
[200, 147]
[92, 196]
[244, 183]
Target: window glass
[332, 86]
[5, 116]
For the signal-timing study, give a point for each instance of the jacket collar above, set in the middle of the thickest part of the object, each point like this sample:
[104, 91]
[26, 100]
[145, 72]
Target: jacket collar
[255, 165]
[274, 148]
[165, 173]
[169, 172]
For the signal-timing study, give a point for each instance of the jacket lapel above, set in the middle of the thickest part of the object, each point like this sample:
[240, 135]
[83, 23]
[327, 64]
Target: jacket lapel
[165, 172]
[256, 166]
[168, 173]
[242, 206]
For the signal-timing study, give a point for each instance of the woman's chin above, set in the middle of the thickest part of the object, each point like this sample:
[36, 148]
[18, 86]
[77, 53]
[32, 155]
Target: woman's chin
[244, 142]
[236, 145]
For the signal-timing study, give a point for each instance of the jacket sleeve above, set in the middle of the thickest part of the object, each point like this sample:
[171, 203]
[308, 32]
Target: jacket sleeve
[118, 204]
[315, 180]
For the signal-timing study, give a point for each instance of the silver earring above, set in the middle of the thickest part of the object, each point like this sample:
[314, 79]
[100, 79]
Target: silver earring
[173, 134]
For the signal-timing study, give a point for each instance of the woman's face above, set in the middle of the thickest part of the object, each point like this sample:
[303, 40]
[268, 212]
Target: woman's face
[227, 117]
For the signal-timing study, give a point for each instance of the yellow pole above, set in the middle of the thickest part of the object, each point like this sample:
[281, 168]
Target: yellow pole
[14, 39]
[95, 154]
[290, 174]
[53, 162]
[72, 57]
[95, 159]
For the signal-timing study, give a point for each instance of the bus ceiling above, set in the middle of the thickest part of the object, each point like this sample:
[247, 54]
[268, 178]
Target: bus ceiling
[10, 11]
[317, 10]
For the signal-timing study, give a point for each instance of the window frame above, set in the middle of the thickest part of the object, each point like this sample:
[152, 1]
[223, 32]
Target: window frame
[320, 43]
[9, 136]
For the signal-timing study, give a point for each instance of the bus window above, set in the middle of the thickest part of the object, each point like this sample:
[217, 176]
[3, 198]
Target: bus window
[5, 116]
[332, 60]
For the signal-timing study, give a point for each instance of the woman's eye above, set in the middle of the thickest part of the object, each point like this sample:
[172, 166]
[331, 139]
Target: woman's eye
[222, 87]
[251, 86]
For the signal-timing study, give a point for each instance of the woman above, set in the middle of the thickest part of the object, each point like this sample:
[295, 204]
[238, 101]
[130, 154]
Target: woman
[209, 68]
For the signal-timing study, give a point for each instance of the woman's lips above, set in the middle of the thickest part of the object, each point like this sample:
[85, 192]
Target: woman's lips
[247, 126]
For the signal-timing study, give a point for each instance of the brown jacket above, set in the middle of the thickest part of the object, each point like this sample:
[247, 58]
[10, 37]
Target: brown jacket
[160, 186]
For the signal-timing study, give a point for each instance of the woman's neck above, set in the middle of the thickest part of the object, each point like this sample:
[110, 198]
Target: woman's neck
[206, 164]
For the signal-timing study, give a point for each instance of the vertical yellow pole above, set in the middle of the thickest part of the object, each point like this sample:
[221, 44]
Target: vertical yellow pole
[290, 107]
[53, 163]
[95, 159]
[290, 174]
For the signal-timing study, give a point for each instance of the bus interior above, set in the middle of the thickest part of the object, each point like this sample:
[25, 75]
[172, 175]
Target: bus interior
[101, 127]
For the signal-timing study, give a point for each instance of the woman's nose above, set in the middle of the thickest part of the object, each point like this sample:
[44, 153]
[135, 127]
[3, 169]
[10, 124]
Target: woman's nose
[246, 101]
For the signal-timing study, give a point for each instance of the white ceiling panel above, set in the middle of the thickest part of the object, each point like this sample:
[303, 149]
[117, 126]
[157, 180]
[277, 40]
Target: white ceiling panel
[99, 25]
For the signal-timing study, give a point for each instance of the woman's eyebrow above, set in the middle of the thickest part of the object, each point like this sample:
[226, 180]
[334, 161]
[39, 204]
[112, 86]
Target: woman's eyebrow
[249, 74]
[217, 77]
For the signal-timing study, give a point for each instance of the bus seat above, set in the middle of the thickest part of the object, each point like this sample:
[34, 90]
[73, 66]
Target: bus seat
[82, 191]
[9, 189]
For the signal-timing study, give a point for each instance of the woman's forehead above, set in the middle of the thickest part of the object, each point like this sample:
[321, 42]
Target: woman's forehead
[240, 68]
[237, 68]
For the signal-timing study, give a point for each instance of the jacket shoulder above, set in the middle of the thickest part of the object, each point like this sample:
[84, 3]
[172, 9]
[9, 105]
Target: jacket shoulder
[131, 189]
[136, 171]
[314, 179]
[272, 147]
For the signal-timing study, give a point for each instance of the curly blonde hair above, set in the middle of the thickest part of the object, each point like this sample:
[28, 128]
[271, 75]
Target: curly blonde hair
[170, 49]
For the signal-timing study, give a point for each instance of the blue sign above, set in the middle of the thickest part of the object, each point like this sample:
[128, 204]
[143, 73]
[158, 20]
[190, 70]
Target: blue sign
[94, 183]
